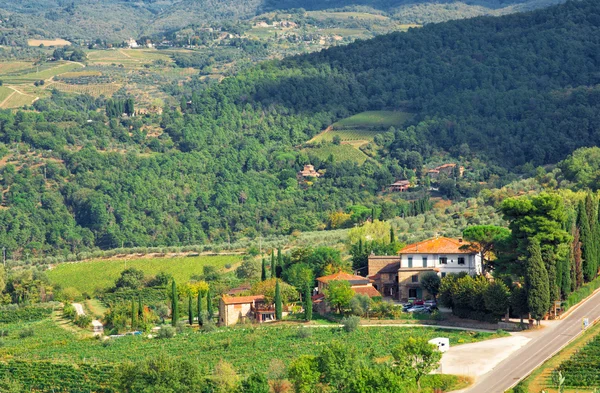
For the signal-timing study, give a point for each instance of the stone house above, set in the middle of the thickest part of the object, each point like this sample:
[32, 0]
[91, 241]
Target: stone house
[399, 277]
[234, 309]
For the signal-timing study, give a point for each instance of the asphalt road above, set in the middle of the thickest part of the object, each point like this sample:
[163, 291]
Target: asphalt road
[552, 339]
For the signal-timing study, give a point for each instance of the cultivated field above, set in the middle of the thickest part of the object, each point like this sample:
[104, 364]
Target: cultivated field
[370, 119]
[34, 73]
[322, 15]
[249, 349]
[95, 90]
[54, 42]
[87, 276]
[340, 153]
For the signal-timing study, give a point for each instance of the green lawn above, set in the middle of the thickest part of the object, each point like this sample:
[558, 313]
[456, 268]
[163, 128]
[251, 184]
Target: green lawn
[89, 276]
[339, 152]
[372, 119]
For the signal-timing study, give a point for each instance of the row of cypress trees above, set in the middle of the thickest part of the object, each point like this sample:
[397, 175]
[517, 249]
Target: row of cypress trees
[200, 307]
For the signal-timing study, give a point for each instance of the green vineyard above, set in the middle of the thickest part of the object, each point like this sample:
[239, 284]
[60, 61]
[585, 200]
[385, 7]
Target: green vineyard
[583, 368]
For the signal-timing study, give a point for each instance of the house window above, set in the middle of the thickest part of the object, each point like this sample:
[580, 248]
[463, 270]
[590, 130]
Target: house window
[409, 261]
[443, 274]
[415, 278]
[443, 261]
[424, 261]
[412, 292]
[461, 260]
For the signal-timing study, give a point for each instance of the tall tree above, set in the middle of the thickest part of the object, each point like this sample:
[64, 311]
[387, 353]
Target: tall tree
[140, 309]
[279, 267]
[273, 267]
[133, 314]
[308, 306]
[278, 305]
[577, 263]
[190, 310]
[392, 235]
[338, 294]
[485, 239]
[174, 305]
[209, 307]
[431, 282]
[263, 273]
[538, 290]
[200, 309]
[418, 356]
[587, 242]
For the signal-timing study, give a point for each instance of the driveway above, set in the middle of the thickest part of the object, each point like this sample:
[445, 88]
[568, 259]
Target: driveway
[479, 358]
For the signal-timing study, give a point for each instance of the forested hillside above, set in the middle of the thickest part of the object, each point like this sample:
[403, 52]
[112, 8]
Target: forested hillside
[122, 19]
[509, 92]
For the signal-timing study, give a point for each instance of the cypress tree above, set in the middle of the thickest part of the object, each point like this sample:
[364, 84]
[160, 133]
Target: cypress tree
[586, 242]
[209, 307]
[140, 308]
[279, 266]
[278, 305]
[200, 309]
[536, 279]
[273, 264]
[133, 314]
[263, 273]
[307, 304]
[190, 311]
[360, 246]
[392, 235]
[174, 305]
[373, 214]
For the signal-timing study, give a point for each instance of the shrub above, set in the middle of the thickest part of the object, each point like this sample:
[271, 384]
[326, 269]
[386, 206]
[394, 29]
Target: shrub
[27, 332]
[350, 323]
[208, 326]
[304, 333]
[166, 331]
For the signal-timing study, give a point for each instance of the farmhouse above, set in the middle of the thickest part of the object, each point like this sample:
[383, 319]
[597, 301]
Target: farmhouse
[399, 277]
[234, 309]
[446, 169]
[400, 186]
[360, 285]
[309, 171]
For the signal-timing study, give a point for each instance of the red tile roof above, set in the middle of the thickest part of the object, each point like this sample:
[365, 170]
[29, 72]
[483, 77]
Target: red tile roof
[368, 290]
[341, 276]
[440, 245]
[241, 299]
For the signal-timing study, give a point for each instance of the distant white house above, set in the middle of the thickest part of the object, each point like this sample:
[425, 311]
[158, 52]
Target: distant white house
[132, 43]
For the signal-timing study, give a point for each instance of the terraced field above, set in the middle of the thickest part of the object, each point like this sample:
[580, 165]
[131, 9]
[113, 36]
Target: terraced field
[34, 73]
[87, 276]
[340, 153]
[363, 127]
[95, 90]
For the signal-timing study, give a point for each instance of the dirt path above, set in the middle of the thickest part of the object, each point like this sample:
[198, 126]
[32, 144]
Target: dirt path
[9, 97]
[79, 308]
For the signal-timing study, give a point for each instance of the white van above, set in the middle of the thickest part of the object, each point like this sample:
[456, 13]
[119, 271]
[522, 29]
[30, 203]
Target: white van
[442, 343]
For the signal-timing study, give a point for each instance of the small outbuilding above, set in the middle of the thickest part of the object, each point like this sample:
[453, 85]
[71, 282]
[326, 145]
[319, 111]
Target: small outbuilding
[442, 343]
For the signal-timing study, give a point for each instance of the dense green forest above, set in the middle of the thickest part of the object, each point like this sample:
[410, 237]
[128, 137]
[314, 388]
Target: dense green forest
[122, 19]
[513, 92]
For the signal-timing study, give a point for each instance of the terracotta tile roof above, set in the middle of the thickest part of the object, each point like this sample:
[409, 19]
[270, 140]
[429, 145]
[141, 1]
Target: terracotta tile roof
[390, 268]
[368, 290]
[341, 276]
[440, 245]
[241, 299]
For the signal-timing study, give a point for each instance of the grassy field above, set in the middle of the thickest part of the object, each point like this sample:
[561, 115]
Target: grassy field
[339, 152]
[18, 100]
[88, 276]
[5, 92]
[45, 72]
[371, 119]
[96, 90]
[541, 378]
[347, 135]
[321, 15]
[55, 42]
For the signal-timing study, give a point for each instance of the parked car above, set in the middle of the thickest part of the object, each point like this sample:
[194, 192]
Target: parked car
[420, 309]
[430, 303]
